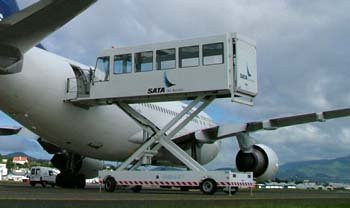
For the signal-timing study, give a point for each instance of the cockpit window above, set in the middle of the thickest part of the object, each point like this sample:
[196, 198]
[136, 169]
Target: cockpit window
[102, 69]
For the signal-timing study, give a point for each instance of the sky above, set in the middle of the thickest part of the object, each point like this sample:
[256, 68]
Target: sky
[302, 51]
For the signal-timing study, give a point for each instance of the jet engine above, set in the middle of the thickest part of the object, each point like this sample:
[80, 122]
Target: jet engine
[90, 167]
[262, 161]
[86, 166]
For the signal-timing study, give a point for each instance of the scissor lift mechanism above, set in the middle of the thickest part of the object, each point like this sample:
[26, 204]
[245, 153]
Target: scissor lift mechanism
[159, 138]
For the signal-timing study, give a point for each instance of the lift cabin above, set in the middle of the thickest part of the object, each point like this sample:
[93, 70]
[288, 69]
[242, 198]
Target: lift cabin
[200, 70]
[222, 65]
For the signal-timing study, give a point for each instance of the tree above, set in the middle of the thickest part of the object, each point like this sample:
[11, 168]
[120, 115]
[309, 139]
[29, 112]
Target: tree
[10, 165]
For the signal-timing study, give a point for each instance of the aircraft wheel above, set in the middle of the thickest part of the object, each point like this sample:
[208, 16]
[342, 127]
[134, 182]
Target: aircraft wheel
[59, 180]
[80, 181]
[66, 180]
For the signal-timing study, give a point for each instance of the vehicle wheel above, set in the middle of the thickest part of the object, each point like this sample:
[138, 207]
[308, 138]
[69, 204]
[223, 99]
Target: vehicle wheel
[136, 189]
[52, 185]
[208, 186]
[43, 184]
[80, 181]
[32, 183]
[184, 188]
[110, 184]
[233, 190]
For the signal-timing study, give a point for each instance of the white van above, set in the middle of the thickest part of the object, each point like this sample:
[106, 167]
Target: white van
[43, 176]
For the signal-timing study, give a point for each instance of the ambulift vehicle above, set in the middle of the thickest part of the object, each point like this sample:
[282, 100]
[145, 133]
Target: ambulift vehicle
[224, 67]
[208, 182]
[42, 175]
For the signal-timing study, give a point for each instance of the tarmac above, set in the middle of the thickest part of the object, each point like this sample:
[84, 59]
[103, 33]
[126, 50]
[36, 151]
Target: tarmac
[23, 195]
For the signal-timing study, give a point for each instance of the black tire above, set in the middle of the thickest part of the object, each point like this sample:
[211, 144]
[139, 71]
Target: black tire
[136, 189]
[208, 186]
[80, 181]
[32, 183]
[43, 184]
[233, 190]
[59, 180]
[110, 184]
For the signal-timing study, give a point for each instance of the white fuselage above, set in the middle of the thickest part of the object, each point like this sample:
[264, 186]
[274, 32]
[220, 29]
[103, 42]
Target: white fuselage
[35, 97]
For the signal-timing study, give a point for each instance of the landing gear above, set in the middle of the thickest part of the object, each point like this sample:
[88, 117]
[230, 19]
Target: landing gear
[69, 165]
[70, 180]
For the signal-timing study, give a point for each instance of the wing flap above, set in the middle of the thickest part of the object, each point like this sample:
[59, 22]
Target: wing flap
[336, 113]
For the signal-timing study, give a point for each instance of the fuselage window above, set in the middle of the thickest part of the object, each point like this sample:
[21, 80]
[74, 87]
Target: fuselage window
[122, 64]
[102, 69]
[166, 59]
[213, 54]
[189, 56]
[144, 61]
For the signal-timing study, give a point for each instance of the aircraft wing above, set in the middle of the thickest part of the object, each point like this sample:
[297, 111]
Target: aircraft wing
[212, 134]
[25, 29]
[7, 130]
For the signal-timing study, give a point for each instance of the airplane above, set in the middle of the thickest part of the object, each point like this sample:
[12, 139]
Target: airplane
[33, 86]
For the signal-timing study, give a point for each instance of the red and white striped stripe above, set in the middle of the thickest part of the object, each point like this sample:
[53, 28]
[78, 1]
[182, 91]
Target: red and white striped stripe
[184, 183]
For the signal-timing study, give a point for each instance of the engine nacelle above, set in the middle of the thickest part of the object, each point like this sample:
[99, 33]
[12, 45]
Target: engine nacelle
[203, 154]
[87, 166]
[90, 167]
[262, 161]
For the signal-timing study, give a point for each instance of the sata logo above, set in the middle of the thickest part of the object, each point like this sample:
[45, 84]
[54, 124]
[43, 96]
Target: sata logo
[160, 90]
[246, 76]
[166, 81]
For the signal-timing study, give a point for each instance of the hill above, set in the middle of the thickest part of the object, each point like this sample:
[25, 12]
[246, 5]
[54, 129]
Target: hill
[334, 170]
[22, 154]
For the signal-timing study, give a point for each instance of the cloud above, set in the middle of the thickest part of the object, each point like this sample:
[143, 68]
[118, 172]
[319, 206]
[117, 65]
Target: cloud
[302, 58]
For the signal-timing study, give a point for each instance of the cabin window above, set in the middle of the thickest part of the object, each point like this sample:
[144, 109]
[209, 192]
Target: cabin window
[102, 69]
[166, 59]
[122, 64]
[213, 54]
[144, 61]
[32, 172]
[189, 56]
